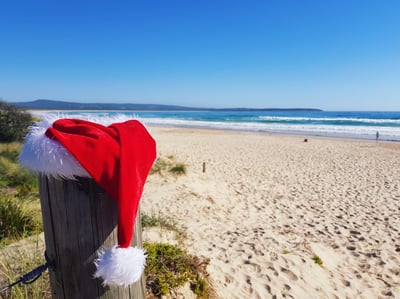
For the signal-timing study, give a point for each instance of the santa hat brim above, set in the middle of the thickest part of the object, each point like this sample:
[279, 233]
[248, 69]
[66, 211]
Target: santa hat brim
[41, 154]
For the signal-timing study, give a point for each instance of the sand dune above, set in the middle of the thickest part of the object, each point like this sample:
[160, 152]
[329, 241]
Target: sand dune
[266, 205]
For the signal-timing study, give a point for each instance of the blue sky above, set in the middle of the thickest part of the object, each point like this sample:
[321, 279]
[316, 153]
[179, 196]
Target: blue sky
[333, 55]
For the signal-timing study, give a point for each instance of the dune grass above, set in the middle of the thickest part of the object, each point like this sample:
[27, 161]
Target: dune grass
[168, 165]
[18, 219]
[20, 214]
[11, 175]
[19, 259]
[161, 221]
[158, 220]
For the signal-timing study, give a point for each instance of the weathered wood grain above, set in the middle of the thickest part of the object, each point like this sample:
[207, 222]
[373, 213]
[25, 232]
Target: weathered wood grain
[79, 220]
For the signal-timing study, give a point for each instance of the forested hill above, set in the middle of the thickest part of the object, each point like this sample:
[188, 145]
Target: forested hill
[62, 105]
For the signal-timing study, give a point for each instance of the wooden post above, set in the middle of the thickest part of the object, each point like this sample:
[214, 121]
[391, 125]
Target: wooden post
[79, 219]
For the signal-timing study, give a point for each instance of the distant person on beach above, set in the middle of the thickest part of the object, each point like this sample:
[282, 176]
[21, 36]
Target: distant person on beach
[377, 135]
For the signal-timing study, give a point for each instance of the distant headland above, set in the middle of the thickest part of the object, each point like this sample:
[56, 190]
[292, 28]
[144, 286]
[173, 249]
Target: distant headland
[42, 104]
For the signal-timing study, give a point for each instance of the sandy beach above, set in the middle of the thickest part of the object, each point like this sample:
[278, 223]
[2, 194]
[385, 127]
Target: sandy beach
[266, 205]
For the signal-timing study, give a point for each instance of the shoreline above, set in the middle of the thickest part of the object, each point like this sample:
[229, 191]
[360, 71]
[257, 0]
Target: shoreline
[265, 133]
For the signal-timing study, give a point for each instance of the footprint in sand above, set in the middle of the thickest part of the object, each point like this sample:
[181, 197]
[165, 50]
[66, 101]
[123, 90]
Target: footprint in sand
[273, 269]
[289, 274]
[268, 289]
[346, 282]
[228, 279]
[248, 280]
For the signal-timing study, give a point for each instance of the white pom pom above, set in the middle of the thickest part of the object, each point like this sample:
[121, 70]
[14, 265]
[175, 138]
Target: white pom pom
[120, 266]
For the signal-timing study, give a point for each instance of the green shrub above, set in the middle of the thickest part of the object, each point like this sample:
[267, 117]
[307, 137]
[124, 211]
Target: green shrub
[168, 267]
[14, 123]
[22, 178]
[200, 287]
[317, 260]
[10, 151]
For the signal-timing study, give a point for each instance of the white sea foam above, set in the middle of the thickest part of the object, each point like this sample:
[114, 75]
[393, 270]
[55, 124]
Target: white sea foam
[362, 132]
[329, 119]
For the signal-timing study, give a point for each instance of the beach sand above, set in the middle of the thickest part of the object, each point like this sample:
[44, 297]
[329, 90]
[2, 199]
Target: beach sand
[266, 205]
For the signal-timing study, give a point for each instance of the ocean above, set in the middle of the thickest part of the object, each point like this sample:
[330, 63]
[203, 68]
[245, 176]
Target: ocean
[342, 124]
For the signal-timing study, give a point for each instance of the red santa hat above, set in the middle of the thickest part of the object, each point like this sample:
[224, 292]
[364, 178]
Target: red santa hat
[118, 157]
